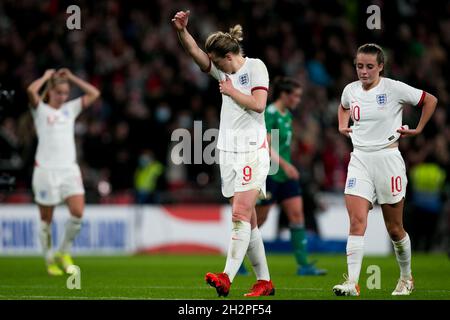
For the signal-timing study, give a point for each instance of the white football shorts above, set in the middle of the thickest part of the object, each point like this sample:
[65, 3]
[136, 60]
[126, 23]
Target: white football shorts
[243, 171]
[377, 176]
[53, 186]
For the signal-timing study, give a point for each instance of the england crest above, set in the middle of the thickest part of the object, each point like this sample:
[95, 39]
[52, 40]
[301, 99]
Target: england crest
[351, 183]
[243, 79]
[382, 99]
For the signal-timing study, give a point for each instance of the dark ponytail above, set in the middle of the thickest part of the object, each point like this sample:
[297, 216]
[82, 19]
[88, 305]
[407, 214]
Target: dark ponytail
[284, 84]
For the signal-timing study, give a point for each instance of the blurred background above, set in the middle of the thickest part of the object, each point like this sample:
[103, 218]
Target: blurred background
[150, 87]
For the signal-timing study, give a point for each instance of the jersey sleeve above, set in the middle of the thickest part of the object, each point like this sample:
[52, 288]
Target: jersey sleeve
[214, 72]
[259, 76]
[409, 95]
[76, 105]
[36, 110]
[345, 101]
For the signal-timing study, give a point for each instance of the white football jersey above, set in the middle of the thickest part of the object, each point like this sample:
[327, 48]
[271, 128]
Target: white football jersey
[377, 113]
[241, 129]
[55, 130]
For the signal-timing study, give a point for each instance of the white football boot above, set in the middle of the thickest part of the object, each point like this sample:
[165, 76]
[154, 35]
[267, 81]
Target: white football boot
[348, 288]
[404, 287]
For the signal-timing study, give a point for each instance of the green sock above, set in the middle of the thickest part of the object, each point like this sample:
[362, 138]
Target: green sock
[298, 240]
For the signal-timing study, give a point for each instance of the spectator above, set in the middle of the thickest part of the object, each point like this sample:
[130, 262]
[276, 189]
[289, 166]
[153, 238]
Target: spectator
[427, 180]
[151, 87]
[146, 177]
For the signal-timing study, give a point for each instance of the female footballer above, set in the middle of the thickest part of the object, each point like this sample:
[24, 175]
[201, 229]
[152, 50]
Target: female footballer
[242, 145]
[376, 171]
[56, 175]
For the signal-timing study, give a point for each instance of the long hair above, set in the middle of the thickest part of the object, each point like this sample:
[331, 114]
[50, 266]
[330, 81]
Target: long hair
[222, 43]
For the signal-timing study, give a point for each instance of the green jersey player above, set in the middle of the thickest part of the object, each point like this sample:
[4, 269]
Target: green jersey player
[283, 186]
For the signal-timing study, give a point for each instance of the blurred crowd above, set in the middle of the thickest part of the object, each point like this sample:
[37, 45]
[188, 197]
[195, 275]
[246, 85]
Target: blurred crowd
[150, 87]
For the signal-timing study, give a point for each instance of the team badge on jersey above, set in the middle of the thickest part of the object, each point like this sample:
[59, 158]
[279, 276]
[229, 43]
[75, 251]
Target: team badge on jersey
[243, 79]
[351, 183]
[382, 99]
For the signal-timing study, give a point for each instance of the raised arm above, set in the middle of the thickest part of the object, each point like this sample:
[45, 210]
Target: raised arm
[180, 22]
[36, 85]
[343, 118]
[91, 92]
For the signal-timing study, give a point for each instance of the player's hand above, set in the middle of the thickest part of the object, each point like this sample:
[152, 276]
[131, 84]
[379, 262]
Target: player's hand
[180, 20]
[48, 73]
[226, 86]
[346, 131]
[406, 132]
[64, 73]
[292, 172]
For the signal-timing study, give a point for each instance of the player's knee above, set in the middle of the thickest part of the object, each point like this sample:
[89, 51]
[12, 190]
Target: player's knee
[358, 225]
[46, 215]
[77, 212]
[396, 232]
[242, 211]
[296, 217]
[47, 219]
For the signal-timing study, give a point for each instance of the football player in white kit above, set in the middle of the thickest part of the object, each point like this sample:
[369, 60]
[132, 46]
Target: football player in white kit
[242, 146]
[56, 175]
[376, 170]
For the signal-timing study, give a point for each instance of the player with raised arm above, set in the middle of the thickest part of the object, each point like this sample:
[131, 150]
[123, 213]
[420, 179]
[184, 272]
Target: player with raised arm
[56, 175]
[242, 145]
[376, 170]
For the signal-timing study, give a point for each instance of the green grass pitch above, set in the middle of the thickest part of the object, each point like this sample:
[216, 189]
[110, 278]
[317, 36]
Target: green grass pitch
[182, 277]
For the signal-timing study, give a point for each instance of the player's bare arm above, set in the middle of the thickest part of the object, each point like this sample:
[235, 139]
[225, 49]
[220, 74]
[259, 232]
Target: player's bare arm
[288, 168]
[36, 85]
[180, 22]
[91, 92]
[429, 105]
[343, 118]
[256, 101]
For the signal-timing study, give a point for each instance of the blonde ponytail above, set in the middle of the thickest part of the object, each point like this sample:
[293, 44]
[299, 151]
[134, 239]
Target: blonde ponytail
[222, 43]
[236, 33]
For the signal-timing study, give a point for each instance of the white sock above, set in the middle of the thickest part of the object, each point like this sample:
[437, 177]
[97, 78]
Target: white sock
[73, 227]
[45, 236]
[257, 255]
[355, 253]
[240, 238]
[402, 249]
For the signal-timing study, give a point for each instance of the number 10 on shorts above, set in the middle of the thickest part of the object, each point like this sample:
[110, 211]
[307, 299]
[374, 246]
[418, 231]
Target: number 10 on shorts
[396, 184]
